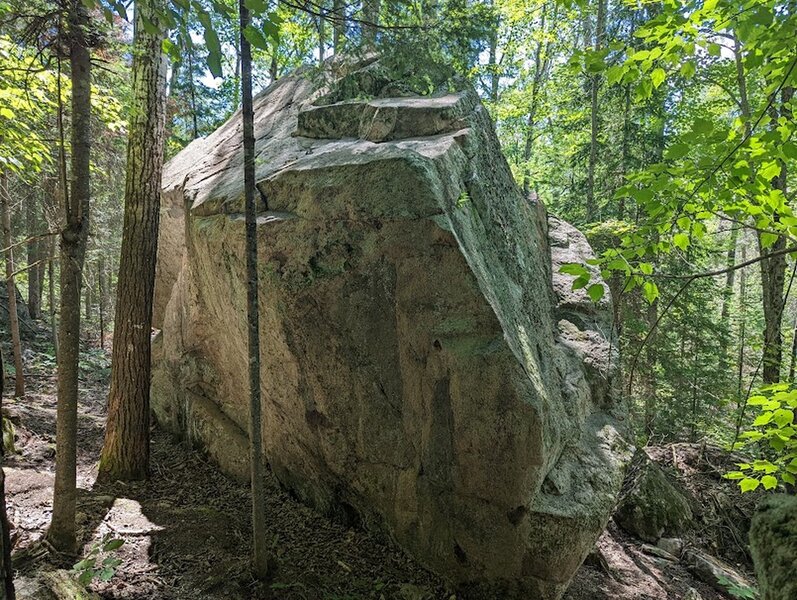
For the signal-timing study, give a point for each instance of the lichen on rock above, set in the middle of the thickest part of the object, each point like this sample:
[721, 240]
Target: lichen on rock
[425, 368]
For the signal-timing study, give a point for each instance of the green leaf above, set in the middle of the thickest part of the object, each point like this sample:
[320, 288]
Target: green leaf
[86, 576]
[581, 282]
[714, 49]
[271, 29]
[688, 69]
[734, 475]
[749, 484]
[256, 38]
[113, 545]
[770, 170]
[651, 291]
[702, 126]
[769, 481]
[768, 239]
[783, 417]
[681, 240]
[595, 292]
[576, 269]
[256, 6]
[213, 45]
[788, 478]
[614, 74]
[762, 419]
[676, 151]
[657, 77]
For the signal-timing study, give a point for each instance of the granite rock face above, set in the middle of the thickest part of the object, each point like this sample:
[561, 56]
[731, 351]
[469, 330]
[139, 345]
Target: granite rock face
[426, 369]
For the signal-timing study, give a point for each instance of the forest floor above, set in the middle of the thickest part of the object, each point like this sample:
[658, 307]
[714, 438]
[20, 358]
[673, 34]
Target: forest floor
[187, 533]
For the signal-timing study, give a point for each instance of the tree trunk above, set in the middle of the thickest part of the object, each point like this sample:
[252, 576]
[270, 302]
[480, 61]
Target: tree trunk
[742, 326]
[13, 317]
[51, 299]
[492, 63]
[338, 26]
[34, 255]
[6, 569]
[101, 298]
[192, 88]
[600, 29]
[322, 35]
[87, 289]
[125, 453]
[650, 391]
[73, 250]
[370, 24]
[257, 463]
[542, 63]
[773, 276]
[624, 150]
[727, 297]
[773, 272]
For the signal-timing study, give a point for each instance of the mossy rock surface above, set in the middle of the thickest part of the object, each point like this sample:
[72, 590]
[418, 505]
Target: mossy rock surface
[650, 505]
[773, 542]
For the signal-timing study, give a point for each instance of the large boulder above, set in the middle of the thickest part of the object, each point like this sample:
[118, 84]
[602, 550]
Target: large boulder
[650, 505]
[425, 370]
[773, 542]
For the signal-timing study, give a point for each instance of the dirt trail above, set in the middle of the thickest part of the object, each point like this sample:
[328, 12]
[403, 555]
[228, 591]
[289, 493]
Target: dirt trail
[186, 530]
[187, 533]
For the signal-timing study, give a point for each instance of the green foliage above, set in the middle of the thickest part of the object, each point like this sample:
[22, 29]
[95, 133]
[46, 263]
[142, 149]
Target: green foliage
[742, 592]
[99, 563]
[772, 440]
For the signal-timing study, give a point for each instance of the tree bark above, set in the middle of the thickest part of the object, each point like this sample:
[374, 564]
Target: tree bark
[257, 464]
[74, 235]
[600, 30]
[624, 149]
[542, 63]
[773, 271]
[793, 357]
[34, 255]
[492, 63]
[125, 453]
[370, 26]
[51, 297]
[651, 356]
[338, 26]
[742, 327]
[87, 289]
[101, 298]
[322, 35]
[13, 317]
[727, 298]
[6, 568]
